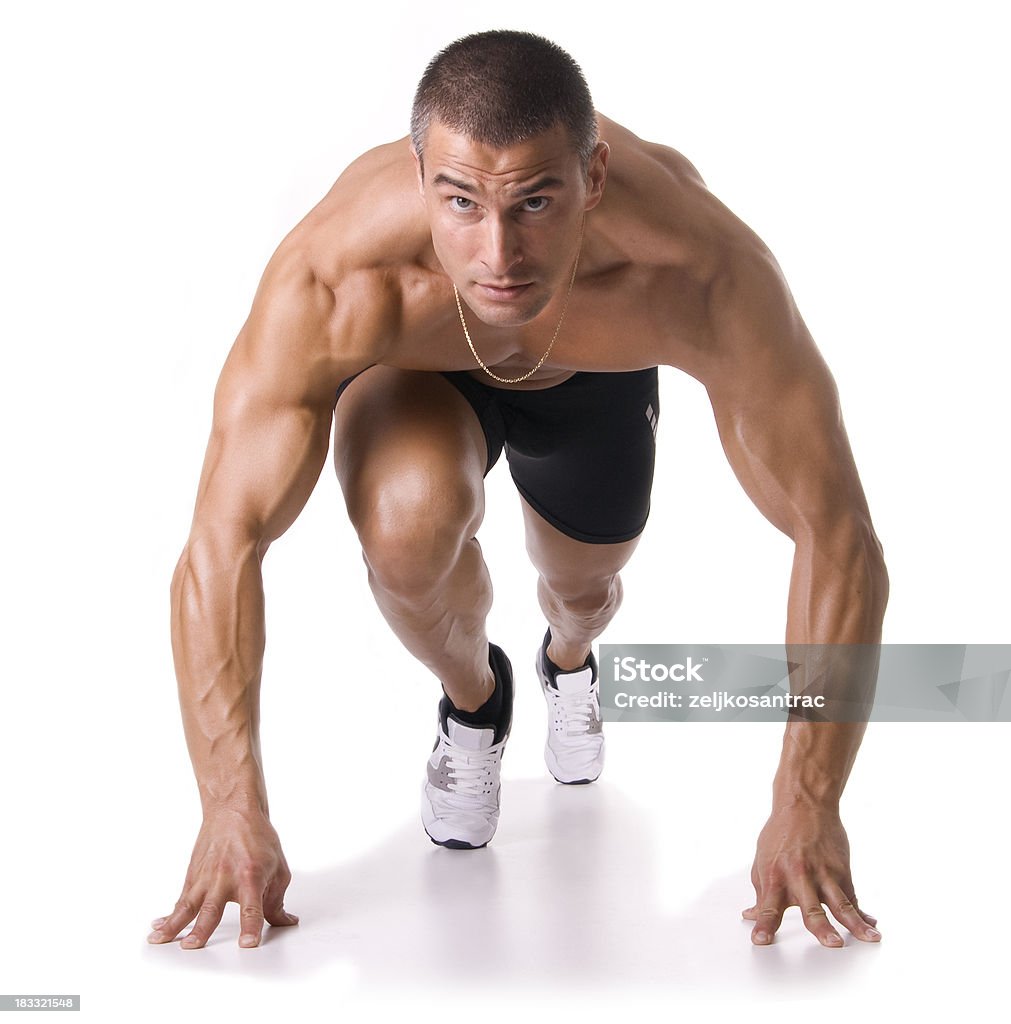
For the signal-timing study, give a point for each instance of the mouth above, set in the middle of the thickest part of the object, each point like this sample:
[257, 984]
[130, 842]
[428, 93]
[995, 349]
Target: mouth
[499, 293]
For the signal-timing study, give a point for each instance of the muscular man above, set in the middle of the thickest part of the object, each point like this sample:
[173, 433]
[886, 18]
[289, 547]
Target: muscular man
[477, 289]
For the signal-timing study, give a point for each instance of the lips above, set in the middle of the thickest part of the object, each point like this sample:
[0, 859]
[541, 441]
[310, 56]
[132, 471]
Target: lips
[502, 294]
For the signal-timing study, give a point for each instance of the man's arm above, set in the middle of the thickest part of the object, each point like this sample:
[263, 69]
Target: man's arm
[273, 409]
[778, 415]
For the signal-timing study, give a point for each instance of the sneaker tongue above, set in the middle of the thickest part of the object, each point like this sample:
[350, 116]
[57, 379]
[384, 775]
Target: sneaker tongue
[470, 737]
[570, 683]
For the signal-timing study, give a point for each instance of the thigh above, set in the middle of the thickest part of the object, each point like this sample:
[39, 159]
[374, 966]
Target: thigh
[571, 566]
[407, 442]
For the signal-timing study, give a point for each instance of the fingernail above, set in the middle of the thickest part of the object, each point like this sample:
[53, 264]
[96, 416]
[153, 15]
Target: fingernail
[761, 936]
[833, 940]
[247, 940]
[155, 937]
[158, 922]
[873, 933]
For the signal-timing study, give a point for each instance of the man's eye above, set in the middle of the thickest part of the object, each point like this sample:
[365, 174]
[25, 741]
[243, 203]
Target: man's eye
[535, 203]
[461, 203]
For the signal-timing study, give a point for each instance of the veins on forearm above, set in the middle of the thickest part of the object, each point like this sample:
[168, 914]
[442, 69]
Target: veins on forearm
[219, 633]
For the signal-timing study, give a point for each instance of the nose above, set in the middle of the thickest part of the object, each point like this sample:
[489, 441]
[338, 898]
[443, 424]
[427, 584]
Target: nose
[502, 252]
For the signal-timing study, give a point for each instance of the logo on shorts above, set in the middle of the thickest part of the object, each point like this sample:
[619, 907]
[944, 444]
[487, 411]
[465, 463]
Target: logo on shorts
[652, 418]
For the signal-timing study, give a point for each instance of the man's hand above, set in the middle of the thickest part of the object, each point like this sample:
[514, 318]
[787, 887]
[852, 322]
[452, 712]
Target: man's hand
[238, 859]
[803, 860]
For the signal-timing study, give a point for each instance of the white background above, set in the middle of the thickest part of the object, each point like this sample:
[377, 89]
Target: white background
[155, 156]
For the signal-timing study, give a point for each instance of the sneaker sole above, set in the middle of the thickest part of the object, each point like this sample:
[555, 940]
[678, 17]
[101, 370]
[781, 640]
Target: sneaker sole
[455, 844]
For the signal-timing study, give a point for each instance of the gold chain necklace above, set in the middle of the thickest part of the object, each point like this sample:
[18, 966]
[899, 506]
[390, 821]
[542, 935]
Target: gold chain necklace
[540, 362]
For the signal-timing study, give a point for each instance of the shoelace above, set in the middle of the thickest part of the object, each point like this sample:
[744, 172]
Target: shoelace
[470, 770]
[577, 710]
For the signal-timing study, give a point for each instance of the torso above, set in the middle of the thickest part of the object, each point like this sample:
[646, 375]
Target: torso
[651, 251]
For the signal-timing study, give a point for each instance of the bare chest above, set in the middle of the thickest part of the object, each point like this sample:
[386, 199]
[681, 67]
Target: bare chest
[627, 320]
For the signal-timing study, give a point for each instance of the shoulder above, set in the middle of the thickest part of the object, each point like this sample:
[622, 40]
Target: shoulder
[663, 201]
[711, 280]
[339, 275]
[640, 154]
[372, 218]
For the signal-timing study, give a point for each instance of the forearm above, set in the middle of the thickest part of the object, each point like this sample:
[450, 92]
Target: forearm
[838, 593]
[217, 642]
[815, 763]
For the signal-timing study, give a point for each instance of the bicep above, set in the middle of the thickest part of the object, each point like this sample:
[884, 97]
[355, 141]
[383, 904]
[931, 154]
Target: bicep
[273, 407]
[263, 460]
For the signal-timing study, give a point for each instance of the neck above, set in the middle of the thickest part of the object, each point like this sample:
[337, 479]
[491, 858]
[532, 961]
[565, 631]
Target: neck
[551, 344]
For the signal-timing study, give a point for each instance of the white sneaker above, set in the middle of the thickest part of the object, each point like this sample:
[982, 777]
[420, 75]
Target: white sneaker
[460, 797]
[574, 752]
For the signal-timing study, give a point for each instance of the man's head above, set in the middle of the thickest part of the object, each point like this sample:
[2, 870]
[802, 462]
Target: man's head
[504, 87]
[509, 163]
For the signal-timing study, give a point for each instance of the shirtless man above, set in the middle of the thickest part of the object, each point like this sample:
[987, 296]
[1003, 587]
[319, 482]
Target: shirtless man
[473, 287]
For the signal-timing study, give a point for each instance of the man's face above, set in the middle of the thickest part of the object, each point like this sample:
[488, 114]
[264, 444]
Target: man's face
[506, 222]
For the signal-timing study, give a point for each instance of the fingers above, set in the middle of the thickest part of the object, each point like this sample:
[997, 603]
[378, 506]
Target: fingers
[867, 917]
[273, 902]
[767, 914]
[815, 918]
[207, 920]
[770, 917]
[251, 918]
[254, 909]
[802, 860]
[250, 923]
[236, 859]
[258, 906]
[252, 914]
[167, 928]
[846, 912]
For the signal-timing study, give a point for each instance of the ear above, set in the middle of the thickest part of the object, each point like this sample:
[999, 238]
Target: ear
[420, 168]
[596, 175]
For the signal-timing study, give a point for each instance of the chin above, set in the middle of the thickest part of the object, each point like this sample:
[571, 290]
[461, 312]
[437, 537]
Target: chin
[507, 314]
[505, 317]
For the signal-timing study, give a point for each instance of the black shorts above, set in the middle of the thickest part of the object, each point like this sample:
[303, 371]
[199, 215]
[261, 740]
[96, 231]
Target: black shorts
[581, 452]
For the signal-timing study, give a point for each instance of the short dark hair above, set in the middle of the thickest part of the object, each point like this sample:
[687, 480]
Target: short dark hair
[503, 87]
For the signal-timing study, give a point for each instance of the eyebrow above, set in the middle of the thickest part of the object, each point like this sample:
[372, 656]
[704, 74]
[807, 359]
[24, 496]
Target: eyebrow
[522, 193]
[445, 179]
[539, 186]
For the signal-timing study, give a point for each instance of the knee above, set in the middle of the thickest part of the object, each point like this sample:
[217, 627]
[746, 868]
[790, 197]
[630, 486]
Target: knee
[412, 532]
[586, 596]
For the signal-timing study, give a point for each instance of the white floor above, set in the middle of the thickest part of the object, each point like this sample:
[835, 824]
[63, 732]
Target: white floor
[620, 896]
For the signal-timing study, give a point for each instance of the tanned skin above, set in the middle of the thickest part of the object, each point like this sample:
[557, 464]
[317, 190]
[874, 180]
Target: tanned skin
[666, 276]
